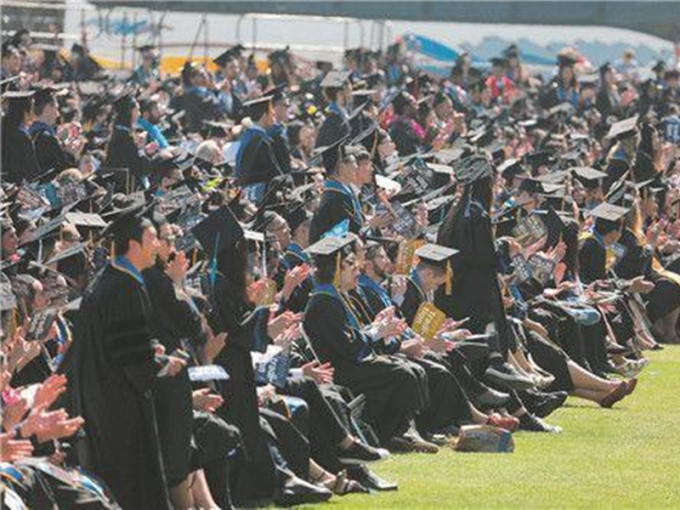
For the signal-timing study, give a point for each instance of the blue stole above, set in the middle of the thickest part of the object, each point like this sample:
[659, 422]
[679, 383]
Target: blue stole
[38, 126]
[122, 263]
[338, 187]
[294, 250]
[248, 136]
[415, 278]
[329, 289]
[369, 283]
[338, 110]
[201, 91]
[562, 96]
[125, 129]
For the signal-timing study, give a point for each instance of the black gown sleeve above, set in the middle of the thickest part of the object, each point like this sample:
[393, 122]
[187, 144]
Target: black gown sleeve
[332, 338]
[127, 336]
[412, 301]
[592, 261]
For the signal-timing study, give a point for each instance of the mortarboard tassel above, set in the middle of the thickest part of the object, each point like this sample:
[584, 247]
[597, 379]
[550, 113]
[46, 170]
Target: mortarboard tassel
[449, 279]
[336, 277]
[13, 323]
[194, 256]
[213, 262]
[113, 250]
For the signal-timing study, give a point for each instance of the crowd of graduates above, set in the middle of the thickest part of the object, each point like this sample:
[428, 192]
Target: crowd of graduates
[233, 287]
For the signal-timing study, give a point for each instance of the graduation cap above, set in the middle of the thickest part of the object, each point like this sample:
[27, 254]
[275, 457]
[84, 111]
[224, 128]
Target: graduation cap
[438, 256]
[363, 96]
[473, 168]
[335, 80]
[648, 187]
[498, 61]
[258, 107]
[590, 177]
[623, 128]
[609, 212]
[331, 154]
[296, 215]
[126, 221]
[232, 53]
[123, 103]
[69, 252]
[331, 247]
[510, 168]
[219, 231]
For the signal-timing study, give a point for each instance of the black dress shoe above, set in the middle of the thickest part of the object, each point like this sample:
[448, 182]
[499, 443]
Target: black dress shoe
[492, 399]
[369, 479]
[296, 491]
[545, 403]
[506, 376]
[531, 423]
[360, 453]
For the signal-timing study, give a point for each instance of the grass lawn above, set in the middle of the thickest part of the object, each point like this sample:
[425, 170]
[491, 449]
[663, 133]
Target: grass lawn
[628, 456]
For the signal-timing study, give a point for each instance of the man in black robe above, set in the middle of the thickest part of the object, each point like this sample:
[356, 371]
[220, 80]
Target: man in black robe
[392, 391]
[48, 149]
[336, 125]
[339, 201]
[257, 162]
[112, 367]
[19, 161]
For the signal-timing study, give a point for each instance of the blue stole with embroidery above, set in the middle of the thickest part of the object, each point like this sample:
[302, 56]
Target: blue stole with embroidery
[248, 136]
[338, 187]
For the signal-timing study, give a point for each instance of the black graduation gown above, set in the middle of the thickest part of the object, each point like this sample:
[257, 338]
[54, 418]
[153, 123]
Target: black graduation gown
[404, 137]
[171, 320]
[19, 161]
[333, 128]
[606, 103]
[198, 108]
[253, 478]
[413, 298]
[50, 153]
[122, 152]
[391, 388]
[592, 259]
[281, 147]
[334, 207]
[475, 289]
[299, 297]
[259, 162]
[111, 369]
[639, 261]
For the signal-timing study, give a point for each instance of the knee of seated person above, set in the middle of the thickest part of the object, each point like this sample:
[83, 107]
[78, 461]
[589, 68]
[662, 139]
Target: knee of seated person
[297, 406]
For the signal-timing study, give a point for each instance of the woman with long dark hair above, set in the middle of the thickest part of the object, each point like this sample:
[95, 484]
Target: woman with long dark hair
[476, 291]
[19, 161]
[122, 150]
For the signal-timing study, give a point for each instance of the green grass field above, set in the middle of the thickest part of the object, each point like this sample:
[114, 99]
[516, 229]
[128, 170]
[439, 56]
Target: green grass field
[628, 456]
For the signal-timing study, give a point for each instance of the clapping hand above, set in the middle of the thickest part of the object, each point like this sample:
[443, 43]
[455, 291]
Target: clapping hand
[286, 339]
[321, 373]
[14, 449]
[49, 391]
[203, 400]
[279, 324]
[294, 278]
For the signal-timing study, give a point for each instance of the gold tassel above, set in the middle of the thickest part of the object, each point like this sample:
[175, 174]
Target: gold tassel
[13, 323]
[194, 257]
[449, 279]
[336, 277]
